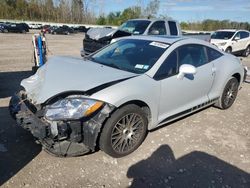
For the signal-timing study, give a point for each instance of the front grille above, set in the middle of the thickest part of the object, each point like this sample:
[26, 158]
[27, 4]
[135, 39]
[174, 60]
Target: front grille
[91, 45]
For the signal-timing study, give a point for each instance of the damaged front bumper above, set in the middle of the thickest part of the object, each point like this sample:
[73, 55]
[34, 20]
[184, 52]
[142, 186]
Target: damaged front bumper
[60, 138]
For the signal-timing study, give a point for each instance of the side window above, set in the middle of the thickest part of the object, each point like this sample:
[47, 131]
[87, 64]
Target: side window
[168, 67]
[158, 28]
[172, 28]
[192, 54]
[213, 54]
[244, 35]
[237, 35]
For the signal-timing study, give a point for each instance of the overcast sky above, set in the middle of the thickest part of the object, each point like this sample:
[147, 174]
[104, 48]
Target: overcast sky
[190, 10]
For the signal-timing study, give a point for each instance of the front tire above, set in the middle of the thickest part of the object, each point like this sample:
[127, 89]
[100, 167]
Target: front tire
[247, 51]
[124, 131]
[229, 94]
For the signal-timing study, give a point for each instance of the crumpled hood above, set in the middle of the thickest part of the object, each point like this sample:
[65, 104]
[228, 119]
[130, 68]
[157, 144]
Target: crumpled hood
[97, 33]
[62, 74]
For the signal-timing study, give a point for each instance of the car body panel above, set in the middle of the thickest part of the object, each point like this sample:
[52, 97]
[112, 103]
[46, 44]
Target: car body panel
[161, 99]
[187, 92]
[77, 75]
[63, 74]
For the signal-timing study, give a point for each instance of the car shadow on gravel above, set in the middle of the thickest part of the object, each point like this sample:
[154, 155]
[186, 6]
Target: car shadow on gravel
[196, 169]
[10, 82]
[17, 146]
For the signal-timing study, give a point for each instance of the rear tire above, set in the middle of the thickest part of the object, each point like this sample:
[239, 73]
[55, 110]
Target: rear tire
[229, 94]
[124, 131]
[247, 51]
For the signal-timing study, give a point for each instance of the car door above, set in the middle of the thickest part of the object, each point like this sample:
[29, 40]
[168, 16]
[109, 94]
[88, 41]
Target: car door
[179, 96]
[239, 41]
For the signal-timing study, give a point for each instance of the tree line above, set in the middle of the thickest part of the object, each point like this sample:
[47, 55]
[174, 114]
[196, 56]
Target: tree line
[78, 11]
[212, 25]
[70, 11]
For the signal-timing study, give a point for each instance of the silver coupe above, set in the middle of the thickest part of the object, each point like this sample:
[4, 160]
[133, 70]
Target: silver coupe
[110, 99]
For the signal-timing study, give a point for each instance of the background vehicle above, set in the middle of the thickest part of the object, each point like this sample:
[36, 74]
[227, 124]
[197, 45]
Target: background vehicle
[115, 95]
[64, 30]
[81, 29]
[52, 28]
[232, 41]
[46, 29]
[35, 26]
[18, 27]
[3, 28]
[97, 38]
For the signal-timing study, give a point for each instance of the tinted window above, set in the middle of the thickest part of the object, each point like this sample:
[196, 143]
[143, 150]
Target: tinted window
[192, 54]
[244, 34]
[131, 55]
[213, 54]
[224, 35]
[168, 67]
[172, 28]
[135, 26]
[158, 27]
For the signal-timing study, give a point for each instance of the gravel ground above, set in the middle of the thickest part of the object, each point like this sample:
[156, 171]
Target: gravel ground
[207, 149]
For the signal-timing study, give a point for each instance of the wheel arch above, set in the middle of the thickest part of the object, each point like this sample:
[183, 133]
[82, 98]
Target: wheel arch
[237, 76]
[144, 106]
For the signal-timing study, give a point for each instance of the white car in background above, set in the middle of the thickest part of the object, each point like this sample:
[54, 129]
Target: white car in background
[232, 41]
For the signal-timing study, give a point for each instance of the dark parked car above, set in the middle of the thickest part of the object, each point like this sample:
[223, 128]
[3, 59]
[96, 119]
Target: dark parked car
[18, 27]
[3, 28]
[81, 29]
[64, 30]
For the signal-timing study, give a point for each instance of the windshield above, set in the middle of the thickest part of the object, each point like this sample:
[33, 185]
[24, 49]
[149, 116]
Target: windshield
[135, 26]
[224, 35]
[131, 55]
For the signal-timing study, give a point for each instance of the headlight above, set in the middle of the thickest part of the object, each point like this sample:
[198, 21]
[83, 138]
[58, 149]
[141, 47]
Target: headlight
[72, 108]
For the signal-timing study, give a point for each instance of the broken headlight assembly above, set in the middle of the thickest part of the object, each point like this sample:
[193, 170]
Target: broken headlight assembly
[72, 108]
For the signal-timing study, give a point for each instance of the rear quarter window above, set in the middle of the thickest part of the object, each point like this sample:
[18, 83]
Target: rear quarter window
[172, 28]
[244, 35]
[213, 54]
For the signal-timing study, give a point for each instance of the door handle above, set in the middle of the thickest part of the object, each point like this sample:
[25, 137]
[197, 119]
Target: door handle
[213, 70]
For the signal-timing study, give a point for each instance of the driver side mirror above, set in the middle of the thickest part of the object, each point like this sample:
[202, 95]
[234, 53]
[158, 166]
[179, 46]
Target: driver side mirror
[154, 32]
[136, 33]
[186, 69]
[236, 38]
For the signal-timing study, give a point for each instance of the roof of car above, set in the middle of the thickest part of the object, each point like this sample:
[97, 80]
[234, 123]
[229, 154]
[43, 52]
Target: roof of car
[153, 19]
[231, 30]
[157, 38]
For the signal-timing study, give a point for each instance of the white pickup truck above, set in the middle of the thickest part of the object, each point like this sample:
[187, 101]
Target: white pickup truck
[232, 41]
[97, 38]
